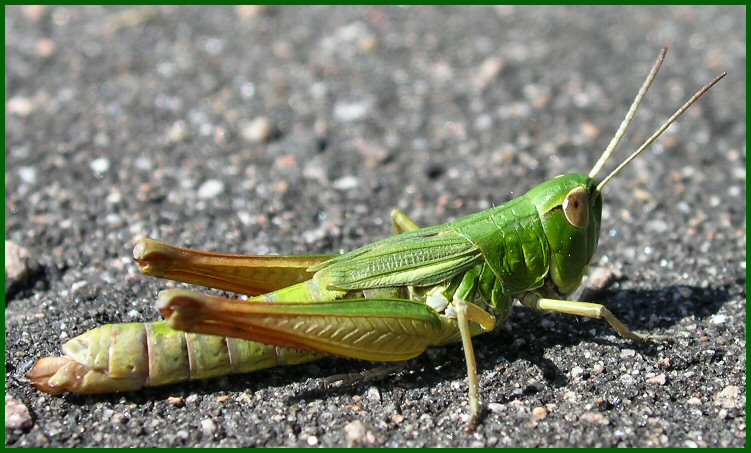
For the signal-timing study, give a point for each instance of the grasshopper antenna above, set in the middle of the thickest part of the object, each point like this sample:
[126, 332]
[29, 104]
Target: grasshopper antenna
[629, 115]
[659, 131]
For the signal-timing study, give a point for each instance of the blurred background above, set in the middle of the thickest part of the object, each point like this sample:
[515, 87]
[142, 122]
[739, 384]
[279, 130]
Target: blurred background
[287, 130]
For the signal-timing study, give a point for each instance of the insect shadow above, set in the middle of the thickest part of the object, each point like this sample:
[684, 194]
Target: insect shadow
[525, 337]
[528, 335]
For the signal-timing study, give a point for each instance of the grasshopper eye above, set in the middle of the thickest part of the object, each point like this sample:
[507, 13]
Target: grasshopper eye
[576, 208]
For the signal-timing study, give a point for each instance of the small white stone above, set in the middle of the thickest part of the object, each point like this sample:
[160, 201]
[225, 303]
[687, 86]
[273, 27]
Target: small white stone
[178, 132]
[346, 183]
[77, 285]
[312, 441]
[660, 379]
[351, 111]
[496, 407]
[210, 189]
[257, 130]
[100, 165]
[28, 174]
[20, 106]
[373, 394]
[208, 427]
[245, 218]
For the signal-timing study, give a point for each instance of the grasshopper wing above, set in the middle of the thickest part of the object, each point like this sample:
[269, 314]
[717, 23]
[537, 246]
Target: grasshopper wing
[419, 258]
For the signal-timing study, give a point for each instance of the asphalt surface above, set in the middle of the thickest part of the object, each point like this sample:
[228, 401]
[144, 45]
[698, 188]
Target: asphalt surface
[297, 130]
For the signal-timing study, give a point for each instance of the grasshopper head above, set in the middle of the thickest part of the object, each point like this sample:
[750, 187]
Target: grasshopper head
[570, 208]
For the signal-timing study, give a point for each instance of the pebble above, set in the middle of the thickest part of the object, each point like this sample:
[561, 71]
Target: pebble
[28, 174]
[346, 183]
[208, 427]
[17, 415]
[729, 397]
[46, 47]
[626, 353]
[16, 264]
[373, 394]
[594, 418]
[257, 130]
[176, 401]
[178, 132]
[487, 72]
[358, 433]
[312, 441]
[348, 112]
[496, 407]
[694, 401]
[191, 399]
[660, 379]
[372, 151]
[576, 371]
[589, 130]
[656, 226]
[20, 106]
[599, 277]
[210, 189]
[250, 12]
[100, 165]
[313, 236]
[75, 287]
[718, 319]
[539, 413]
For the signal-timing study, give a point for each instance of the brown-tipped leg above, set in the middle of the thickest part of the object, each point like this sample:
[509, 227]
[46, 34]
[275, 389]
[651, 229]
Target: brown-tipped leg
[379, 330]
[244, 274]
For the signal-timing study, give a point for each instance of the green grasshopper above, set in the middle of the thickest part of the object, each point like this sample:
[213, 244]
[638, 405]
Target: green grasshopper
[386, 302]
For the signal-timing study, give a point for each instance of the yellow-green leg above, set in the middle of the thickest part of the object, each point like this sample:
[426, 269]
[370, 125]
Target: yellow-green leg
[590, 310]
[466, 312]
[401, 222]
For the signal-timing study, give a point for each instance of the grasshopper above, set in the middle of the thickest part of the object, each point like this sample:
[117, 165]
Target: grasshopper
[386, 302]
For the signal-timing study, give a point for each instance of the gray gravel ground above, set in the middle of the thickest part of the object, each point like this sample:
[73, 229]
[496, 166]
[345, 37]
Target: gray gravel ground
[293, 130]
